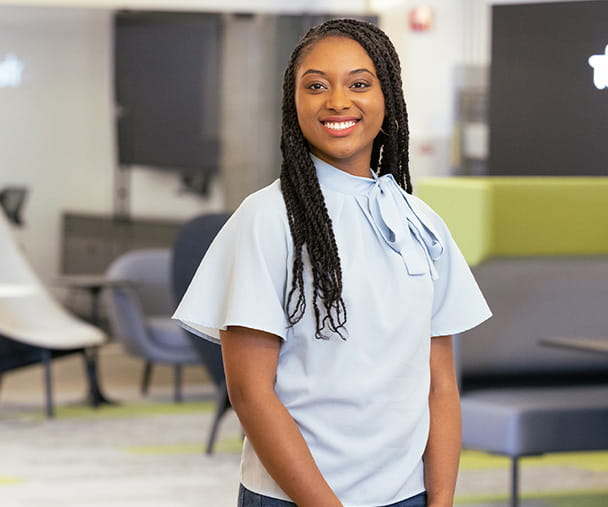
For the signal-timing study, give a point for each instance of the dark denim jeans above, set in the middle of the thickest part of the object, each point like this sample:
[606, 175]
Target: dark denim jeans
[250, 499]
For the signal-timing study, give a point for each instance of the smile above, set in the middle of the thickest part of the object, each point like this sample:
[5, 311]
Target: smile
[339, 125]
[340, 128]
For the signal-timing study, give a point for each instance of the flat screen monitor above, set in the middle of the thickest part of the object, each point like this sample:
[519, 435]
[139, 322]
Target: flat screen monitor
[167, 89]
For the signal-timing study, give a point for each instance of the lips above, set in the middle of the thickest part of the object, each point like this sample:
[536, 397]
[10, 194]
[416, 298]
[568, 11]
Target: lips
[339, 126]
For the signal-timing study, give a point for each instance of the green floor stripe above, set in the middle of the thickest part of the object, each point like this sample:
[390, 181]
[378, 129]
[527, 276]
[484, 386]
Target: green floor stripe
[474, 460]
[230, 445]
[595, 461]
[9, 481]
[157, 450]
[225, 445]
[128, 410]
[584, 498]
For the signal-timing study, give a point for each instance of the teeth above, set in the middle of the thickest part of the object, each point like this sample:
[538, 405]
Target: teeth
[340, 125]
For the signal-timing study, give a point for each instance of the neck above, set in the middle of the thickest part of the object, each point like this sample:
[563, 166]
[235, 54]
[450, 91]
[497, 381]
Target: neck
[356, 167]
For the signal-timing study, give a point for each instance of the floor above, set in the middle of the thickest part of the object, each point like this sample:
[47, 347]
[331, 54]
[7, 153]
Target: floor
[148, 451]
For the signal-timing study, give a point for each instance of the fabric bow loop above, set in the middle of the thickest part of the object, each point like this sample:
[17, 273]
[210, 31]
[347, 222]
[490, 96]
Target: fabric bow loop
[403, 227]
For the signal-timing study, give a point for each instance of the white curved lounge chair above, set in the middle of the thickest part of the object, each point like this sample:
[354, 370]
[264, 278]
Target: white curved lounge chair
[32, 316]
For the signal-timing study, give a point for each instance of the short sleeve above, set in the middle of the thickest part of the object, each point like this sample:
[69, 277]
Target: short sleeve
[241, 279]
[458, 303]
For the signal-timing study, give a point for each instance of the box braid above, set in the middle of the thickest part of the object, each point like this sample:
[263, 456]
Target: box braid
[309, 220]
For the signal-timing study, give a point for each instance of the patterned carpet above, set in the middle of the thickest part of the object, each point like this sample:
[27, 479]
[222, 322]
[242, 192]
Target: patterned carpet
[150, 454]
[142, 454]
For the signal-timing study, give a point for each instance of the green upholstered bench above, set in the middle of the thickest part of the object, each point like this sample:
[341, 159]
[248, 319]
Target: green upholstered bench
[539, 250]
[522, 216]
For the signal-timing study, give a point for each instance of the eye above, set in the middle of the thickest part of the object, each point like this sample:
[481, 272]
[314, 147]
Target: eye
[360, 85]
[316, 87]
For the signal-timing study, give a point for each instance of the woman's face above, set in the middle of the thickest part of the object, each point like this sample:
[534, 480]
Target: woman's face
[339, 103]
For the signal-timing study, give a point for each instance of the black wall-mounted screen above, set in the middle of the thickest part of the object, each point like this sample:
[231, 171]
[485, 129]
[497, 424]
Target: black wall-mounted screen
[167, 68]
[547, 117]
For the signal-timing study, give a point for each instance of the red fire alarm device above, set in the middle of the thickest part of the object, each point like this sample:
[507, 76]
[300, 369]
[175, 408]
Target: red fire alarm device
[421, 18]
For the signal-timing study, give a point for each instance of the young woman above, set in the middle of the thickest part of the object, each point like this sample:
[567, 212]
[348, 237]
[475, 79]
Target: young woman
[335, 292]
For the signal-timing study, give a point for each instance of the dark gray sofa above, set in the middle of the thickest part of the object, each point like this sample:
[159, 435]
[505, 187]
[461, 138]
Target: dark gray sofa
[521, 398]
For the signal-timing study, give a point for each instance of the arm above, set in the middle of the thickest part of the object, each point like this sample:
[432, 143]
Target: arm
[250, 361]
[442, 454]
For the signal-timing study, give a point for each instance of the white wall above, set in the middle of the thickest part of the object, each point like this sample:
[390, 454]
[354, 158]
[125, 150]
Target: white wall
[428, 61]
[56, 129]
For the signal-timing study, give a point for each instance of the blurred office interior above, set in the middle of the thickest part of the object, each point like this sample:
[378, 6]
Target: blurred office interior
[59, 121]
[93, 94]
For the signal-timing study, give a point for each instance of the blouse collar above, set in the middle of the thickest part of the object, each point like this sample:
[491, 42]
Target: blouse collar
[340, 181]
[399, 219]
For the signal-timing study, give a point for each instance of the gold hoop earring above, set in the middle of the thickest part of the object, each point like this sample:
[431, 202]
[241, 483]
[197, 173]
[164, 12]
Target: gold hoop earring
[383, 131]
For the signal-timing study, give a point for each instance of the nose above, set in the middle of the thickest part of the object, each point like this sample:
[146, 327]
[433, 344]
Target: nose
[338, 99]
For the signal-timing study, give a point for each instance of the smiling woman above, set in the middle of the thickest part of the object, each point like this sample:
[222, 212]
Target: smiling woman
[339, 103]
[325, 289]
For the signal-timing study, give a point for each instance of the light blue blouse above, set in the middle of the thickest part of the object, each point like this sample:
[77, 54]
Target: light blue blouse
[360, 403]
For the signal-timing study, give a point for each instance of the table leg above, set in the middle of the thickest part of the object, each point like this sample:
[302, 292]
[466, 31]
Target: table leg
[48, 382]
[95, 395]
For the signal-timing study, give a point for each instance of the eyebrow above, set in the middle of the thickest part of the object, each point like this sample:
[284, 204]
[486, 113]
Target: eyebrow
[321, 73]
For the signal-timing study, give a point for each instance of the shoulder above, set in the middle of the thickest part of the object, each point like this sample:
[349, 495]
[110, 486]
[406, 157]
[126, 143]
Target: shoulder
[266, 201]
[262, 213]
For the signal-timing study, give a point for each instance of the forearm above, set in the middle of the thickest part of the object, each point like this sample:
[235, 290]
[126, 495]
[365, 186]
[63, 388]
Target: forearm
[282, 449]
[250, 362]
[442, 454]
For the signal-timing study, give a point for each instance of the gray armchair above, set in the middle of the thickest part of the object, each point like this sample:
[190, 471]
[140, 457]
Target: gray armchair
[139, 311]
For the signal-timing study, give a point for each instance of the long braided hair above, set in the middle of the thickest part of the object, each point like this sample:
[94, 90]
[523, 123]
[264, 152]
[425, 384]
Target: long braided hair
[309, 220]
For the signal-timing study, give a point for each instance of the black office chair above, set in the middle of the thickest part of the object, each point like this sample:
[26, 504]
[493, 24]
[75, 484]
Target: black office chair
[192, 241]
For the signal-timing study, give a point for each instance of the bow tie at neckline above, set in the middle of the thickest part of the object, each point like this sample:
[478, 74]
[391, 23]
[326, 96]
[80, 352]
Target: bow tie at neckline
[396, 216]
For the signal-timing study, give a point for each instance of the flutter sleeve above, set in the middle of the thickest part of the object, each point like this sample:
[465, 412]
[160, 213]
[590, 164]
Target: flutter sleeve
[242, 277]
[458, 303]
